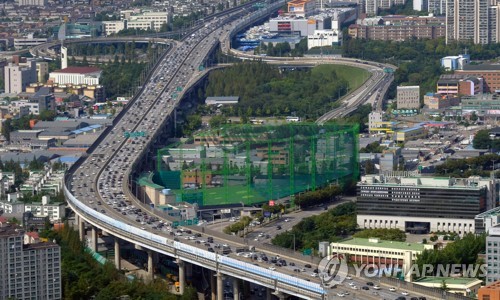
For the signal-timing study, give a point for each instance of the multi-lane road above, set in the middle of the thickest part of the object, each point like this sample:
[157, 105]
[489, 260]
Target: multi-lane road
[100, 181]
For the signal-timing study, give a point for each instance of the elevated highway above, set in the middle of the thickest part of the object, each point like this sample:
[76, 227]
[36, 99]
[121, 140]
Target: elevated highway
[102, 179]
[48, 51]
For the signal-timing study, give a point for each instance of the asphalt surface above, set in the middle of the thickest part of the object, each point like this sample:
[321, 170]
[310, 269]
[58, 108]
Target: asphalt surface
[99, 181]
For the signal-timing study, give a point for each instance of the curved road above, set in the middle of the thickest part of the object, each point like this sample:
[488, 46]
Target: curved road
[98, 185]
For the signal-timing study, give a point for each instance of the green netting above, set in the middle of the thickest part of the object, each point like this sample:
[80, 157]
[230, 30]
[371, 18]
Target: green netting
[254, 163]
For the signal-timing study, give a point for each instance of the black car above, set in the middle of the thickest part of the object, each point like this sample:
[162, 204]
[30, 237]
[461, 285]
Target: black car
[278, 227]
[307, 265]
[210, 249]
[369, 283]
[422, 298]
[365, 288]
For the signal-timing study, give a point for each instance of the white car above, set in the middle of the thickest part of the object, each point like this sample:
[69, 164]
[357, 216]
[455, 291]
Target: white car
[340, 294]
[354, 287]
[404, 293]
[348, 278]
[272, 268]
[351, 283]
[314, 274]
[392, 289]
[376, 287]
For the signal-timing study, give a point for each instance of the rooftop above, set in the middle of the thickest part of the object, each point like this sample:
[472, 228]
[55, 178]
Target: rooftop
[449, 280]
[78, 70]
[483, 67]
[384, 244]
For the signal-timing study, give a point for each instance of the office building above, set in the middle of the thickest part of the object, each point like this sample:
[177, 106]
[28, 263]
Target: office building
[157, 19]
[408, 97]
[379, 252]
[28, 271]
[321, 38]
[113, 27]
[76, 75]
[468, 20]
[422, 204]
[18, 76]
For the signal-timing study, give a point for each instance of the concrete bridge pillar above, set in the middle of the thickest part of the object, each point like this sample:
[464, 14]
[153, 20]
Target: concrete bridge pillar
[81, 228]
[236, 288]
[182, 275]
[117, 254]
[93, 240]
[150, 265]
[213, 286]
[220, 286]
[280, 295]
[269, 294]
[246, 290]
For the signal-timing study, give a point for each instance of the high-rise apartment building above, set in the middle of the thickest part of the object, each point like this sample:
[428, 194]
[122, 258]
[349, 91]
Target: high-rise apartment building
[372, 7]
[437, 7]
[471, 20]
[18, 76]
[31, 271]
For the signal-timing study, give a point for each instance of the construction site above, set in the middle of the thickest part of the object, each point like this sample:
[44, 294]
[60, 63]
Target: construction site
[249, 164]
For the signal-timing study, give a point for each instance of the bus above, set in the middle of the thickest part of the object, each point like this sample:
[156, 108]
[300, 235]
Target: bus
[292, 119]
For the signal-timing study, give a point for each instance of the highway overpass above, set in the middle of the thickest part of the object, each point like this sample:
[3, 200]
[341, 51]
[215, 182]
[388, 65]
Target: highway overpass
[102, 179]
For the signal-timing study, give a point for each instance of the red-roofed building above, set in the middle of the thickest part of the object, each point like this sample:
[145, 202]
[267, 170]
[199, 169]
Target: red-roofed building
[76, 75]
[31, 237]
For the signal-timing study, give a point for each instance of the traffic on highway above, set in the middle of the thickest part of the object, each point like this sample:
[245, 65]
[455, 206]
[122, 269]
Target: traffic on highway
[101, 180]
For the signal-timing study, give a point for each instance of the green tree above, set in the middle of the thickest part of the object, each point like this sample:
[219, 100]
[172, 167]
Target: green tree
[482, 140]
[382, 233]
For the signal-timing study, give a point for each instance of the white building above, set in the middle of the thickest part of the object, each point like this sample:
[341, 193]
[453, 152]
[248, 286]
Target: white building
[77, 75]
[55, 211]
[322, 38]
[420, 5]
[140, 24]
[158, 18]
[113, 27]
[379, 252]
[18, 77]
[375, 119]
[29, 41]
[450, 63]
